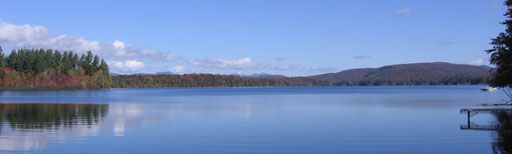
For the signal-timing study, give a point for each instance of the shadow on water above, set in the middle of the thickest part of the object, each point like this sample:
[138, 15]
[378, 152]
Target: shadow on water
[502, 127]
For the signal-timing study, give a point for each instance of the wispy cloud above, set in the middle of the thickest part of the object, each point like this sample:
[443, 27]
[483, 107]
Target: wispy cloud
[403, 11]
[476, 62]
[361, 57]
[321, 69]
[29, 36]
[178, 69]
[288, 67]
[243, 63]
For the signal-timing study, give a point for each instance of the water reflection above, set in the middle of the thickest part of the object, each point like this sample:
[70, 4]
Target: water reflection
[502, 126]
[31, 126]
[503, 140]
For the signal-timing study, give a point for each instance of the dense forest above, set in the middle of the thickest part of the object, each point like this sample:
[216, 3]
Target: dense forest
[206, 80]
[48, 69]
[403, 74]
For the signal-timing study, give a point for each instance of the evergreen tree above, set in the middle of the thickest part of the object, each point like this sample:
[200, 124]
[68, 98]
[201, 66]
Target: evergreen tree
[104, 68]
[88, 63]
[57, 60]
[75, 61]
[501, 53]
[95, 64]
[2, 62]
[41, 68]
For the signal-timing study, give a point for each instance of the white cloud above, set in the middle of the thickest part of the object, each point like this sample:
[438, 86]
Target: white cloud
[403, 11]
[321, 69]
[287, 67]
[477, 62]
[128, 66]
[19, 36]
[178, 69]
[243, 63]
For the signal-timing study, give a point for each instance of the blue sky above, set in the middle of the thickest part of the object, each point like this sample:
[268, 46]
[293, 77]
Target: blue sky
[293, 38]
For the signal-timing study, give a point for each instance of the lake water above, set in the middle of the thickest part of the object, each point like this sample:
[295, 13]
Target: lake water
[416, 119]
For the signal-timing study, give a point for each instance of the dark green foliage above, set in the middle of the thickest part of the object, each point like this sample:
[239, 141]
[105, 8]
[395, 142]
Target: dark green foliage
[2, 62]
[35, 61]
[39, 68]
[95, 64]
[501, 53]
[104, 68]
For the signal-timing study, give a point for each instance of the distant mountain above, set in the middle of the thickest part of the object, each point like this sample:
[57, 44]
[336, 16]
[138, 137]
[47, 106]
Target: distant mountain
[349, 75]
[486, 67]
[402, 74]
[272, 76]
[164, 73]
[410, 74]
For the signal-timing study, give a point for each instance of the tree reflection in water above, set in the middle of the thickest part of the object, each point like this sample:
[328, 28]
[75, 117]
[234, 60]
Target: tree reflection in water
[32, 126]
[503, 141]
[51, 116]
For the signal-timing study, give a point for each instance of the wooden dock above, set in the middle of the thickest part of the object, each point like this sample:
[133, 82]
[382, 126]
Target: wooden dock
[474, 111]
[484, 110]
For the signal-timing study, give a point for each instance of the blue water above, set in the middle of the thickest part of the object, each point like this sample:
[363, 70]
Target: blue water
[414, 119]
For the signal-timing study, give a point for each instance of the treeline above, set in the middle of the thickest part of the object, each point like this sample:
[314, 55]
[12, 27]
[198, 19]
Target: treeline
[205, 80]
[210, 80]
[48, 69]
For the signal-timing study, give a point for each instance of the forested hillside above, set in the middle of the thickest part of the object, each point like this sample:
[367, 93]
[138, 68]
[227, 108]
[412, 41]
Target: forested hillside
[410, 74]
[48, 69]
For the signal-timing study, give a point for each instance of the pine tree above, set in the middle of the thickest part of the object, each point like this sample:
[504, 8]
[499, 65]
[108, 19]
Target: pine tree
[88, 63]
[95, 64]
[501, 53]
[104, 68]
[2, 63]
[75, 61]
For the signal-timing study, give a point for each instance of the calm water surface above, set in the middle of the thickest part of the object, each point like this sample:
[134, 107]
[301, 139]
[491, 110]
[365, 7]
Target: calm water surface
[252, 120]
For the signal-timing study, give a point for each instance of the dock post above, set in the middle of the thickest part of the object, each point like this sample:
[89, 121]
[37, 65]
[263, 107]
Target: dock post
[469, 121]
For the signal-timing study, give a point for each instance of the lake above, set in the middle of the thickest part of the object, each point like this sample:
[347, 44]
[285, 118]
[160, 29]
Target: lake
[401, 119]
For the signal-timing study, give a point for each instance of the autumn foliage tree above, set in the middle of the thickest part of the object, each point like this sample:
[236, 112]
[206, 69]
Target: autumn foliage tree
[48, 69]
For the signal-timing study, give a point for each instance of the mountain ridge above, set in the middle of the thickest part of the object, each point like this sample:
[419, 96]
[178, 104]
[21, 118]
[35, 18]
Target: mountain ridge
[413, 72]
